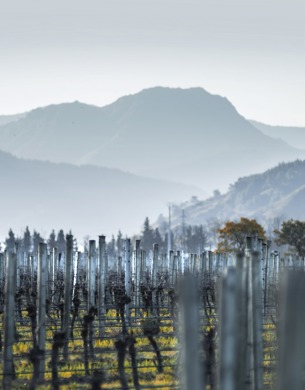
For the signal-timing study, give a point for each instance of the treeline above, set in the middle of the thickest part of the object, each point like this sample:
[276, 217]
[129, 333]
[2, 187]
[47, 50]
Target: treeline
[288, 236]
[29, 242]
[191, 239]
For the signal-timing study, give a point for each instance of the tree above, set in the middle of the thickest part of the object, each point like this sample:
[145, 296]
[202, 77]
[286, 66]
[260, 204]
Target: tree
[52, 240]
[120, 244]
[10, 241]
[292, 233]
[157, 238]
[61, 242]
[26, 242]
[195, 239]
[212, 227]
[233, 234]
[147, 236]
[111, 247]
[37, 239]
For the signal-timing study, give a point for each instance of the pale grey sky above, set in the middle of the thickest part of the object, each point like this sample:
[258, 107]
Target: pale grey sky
[251, 51]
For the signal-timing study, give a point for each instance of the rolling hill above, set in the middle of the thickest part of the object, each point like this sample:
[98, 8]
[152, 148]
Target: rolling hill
[279, 191]
[89, 200]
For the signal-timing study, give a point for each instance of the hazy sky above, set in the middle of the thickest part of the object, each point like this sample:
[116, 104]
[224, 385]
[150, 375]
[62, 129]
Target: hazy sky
[251, 51]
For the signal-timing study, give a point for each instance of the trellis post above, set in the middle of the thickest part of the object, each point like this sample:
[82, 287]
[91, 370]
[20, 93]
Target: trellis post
[67, 292]
[42, 278]
[9, 320]
[102, 283]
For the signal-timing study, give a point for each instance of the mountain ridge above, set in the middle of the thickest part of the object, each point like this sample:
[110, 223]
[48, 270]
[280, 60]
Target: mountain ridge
[277, 192]
[292, 135]
[89, 200]
[182, 135]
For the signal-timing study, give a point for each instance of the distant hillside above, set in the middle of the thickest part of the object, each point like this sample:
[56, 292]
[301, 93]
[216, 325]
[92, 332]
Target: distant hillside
[278, 191]
[294, 136]
[188, 136]
[5, 119]
[89, 200]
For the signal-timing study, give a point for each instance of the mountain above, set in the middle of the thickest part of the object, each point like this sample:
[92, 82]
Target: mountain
[294, 136]
[5, 119]
[89, 200]
[183, 135]
[279, 191]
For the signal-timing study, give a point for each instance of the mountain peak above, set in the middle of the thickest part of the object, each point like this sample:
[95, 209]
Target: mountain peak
[184, 135]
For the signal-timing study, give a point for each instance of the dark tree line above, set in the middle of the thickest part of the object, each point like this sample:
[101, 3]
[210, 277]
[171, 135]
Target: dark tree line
[28, 243]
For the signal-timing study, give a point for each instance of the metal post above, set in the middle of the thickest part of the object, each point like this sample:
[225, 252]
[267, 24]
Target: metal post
[292, 358]
[241, 284]
[229, 332]
[9, 320]
[42, 271]
[257, 320]
[138, 277]
[154, 278]
[68, 291]
[102, 284]
[92, 273]
[127, 278]
[192, 376]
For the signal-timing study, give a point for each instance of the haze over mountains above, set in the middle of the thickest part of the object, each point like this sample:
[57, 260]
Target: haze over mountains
[295, 136]
[279, 191]
[88, 200]
[188, 136]
[5, 119]
[100, 169]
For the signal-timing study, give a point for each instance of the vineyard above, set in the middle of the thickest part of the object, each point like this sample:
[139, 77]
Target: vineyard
[148, 320]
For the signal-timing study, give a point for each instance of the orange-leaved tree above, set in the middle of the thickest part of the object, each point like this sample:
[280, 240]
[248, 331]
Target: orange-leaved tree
[233, 235]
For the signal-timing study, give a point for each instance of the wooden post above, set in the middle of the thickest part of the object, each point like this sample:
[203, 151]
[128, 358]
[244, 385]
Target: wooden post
[9, 320]
[102, 284]
[41, 306]
[92, 273]
[192, 375]
[68, 292]
[292, 346]
[229, 332]
[127, 279]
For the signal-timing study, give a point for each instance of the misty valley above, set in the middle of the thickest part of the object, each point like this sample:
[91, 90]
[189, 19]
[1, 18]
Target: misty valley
[154, 243]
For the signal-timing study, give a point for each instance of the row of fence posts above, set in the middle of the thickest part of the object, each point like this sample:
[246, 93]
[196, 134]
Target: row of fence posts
[241, 310]
[175, 264]
[241, 327]
[47, 269]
